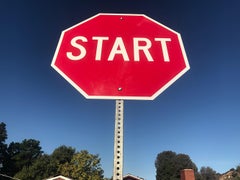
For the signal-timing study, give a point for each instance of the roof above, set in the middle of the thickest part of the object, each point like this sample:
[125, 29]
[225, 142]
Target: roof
[131, 177]
[126, 177]
[59, 178]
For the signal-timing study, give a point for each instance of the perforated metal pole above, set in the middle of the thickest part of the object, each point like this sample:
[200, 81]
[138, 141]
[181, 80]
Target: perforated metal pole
[118, 142]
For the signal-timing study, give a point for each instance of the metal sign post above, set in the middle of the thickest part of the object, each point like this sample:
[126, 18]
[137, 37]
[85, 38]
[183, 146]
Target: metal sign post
[118, 141]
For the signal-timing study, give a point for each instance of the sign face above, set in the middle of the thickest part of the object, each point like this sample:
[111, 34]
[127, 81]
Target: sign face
[120, 56]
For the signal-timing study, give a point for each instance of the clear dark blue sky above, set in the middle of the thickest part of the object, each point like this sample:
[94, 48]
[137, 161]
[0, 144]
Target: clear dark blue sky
[199, 115]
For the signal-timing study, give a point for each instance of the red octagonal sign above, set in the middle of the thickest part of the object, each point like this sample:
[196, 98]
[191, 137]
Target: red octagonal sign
[120, 56]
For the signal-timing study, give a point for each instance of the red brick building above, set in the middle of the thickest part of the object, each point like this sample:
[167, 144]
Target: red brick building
[187, 174]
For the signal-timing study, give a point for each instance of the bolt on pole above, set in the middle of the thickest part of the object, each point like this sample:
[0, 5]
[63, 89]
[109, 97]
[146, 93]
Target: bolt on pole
[118, 141]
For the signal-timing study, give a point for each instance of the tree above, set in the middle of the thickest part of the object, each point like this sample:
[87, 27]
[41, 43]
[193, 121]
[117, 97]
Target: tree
[63, 154]
[60, 156]
[3, 148]
[41, 168]
[83, 165]
[207, 173]
[169, 164]
[22, 154]
[165, 165]
[25, 160]
[47, 165]
[3, 132]
[64, 160]
[238, 168]
[183, 161]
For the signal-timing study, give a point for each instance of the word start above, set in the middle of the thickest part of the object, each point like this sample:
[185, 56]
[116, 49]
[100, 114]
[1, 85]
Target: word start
[139, 44]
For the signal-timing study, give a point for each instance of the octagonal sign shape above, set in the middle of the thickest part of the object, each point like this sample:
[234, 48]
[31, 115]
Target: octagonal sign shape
[120, 56]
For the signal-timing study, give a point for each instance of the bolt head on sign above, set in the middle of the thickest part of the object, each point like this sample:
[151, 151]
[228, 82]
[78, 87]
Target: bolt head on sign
[120, 56]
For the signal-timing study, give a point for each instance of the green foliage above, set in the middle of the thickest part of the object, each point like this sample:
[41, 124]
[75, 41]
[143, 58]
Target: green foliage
[3, 132]
[165, 165]
[23, 154]
[238, 169]
[3, 148]
[64, 160]
[41, 168]
[29, 150]
[183, 161]
[83, 165]
[25, 160]
[47, 165]
[207, 173]
[63, 154]
[169, 164]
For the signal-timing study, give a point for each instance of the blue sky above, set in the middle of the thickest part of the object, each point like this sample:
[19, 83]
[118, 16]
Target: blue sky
[198, 115]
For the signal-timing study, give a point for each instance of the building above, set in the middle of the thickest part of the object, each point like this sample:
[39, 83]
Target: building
[131, 177]
[230, 175]
[187, 174]
[59, 178]
[127, 177]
